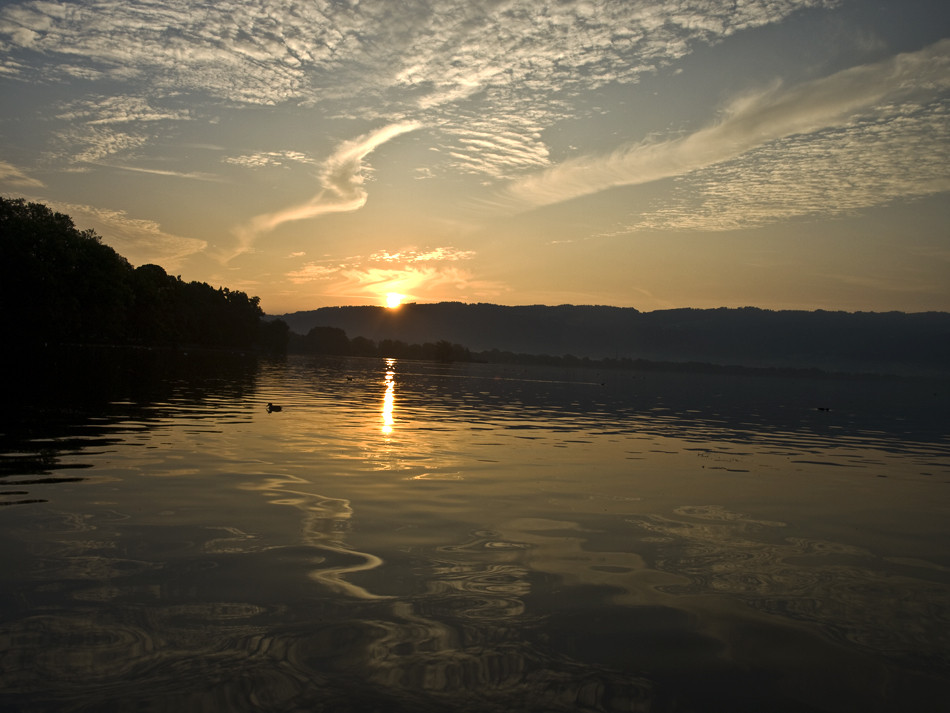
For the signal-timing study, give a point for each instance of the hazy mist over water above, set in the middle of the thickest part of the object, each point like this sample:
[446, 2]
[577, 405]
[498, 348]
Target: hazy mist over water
[409, 536]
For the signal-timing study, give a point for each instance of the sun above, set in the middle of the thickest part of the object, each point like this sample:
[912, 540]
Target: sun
[394, 299]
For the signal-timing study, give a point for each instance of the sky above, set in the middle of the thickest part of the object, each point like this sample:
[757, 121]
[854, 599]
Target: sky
[783, 154]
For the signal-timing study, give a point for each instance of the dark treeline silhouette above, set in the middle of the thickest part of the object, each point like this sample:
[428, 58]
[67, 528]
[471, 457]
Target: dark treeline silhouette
[333, 341]
[751, 337]
[62, 285]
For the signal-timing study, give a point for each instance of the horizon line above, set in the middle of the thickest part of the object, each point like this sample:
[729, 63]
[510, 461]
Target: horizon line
[604, 306]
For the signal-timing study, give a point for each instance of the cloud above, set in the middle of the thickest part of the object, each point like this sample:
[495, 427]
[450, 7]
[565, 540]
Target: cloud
[311, 272]
[427, 276]
[229, 48]
[902, 153]
[103, 110]
[481, 147]
[12, 176]
[341, 185]
[272, 50]
[440, 254]
[424, 283]
[91, 144]
[190, 175]
[520, 60]
[265, 159]
[139, 241]
[103, 126]
[749, 122]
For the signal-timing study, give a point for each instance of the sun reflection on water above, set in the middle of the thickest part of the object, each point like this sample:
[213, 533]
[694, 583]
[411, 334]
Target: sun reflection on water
[389, 398]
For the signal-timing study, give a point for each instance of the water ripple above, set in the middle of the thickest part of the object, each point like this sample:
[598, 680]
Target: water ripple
[849, 592]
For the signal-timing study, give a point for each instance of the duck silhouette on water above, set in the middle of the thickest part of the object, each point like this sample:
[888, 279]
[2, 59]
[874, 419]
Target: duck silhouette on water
[273, 407]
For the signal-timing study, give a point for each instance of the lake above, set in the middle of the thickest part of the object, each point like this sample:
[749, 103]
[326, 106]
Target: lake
[407, 536]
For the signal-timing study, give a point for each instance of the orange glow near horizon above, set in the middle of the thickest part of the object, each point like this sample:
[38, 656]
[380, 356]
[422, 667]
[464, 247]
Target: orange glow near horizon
[394, 299]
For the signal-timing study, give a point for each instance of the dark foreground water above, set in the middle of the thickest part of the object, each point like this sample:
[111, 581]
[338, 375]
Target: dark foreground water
[415, 537]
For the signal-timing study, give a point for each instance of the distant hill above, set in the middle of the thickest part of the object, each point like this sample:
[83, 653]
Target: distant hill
[840, 341]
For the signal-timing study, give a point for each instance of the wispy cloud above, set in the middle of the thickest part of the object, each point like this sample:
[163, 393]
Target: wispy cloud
[748, 123]
[341, 181]
[265, 159]
[410, 255]
[119, 110]
[901, 153]
[12, 176]
[190, 175]
[91, 130]
[313, 271]
[90, 144]
[139, 241]
[270, 50]
[491, 76]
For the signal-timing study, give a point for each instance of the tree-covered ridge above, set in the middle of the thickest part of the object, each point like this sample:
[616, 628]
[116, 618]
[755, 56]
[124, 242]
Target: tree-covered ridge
[60, 284]
[867, 342]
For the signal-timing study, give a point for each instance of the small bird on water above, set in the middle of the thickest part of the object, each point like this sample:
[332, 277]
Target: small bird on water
[271, 408]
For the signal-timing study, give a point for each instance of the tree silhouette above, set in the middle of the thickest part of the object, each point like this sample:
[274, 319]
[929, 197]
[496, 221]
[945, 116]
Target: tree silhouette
[59, 284]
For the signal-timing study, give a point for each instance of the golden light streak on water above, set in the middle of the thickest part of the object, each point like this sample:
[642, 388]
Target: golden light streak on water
[389, 399]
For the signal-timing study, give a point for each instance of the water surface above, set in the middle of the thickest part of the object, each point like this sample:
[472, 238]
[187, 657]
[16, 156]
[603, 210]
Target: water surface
[410, 536]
